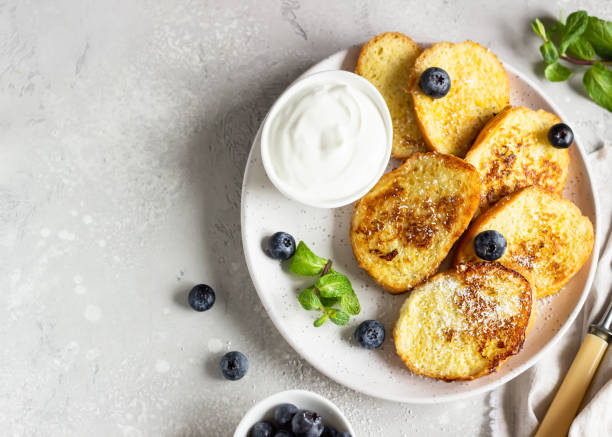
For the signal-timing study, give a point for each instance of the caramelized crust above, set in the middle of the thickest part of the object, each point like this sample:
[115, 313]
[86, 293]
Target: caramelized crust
[548, 238]
[464, 323]
[481, 312]
[404, 227]
[512, 152]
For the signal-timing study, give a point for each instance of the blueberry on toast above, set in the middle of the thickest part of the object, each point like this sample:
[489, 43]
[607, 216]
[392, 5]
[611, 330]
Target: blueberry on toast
[548, 239]
[512, 151]
[479, 90]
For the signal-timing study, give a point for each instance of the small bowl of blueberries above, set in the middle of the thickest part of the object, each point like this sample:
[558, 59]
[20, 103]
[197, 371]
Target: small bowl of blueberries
[294, 413]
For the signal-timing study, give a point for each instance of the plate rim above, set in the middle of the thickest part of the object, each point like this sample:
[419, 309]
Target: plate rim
[478, 390]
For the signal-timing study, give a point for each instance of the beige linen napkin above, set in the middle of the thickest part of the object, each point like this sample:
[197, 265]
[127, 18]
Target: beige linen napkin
[519, 406]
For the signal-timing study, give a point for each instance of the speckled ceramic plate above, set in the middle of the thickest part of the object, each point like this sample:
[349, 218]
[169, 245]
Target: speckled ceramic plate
[330, 349]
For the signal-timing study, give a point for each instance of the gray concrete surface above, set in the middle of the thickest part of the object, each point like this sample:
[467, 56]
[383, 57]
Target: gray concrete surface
[124, 131]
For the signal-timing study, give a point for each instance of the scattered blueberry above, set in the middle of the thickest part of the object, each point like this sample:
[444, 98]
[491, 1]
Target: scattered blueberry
[234, 365]
[201, 297]
[281, 246]
[262, 429]
[489, 245]
[283, 415]
[560, 136]
[343, 434]
[307, 424]
[370, 334]
[328, 431]
[435, 82]
[284, 433]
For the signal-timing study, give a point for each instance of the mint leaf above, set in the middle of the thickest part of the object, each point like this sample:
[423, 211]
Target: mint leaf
[555, 28]
[333, 285]
[549, 52]
[339, 317]
[599, 34]
[581, 49]
[598, 83]
[309, 299]
[305, 262]
[320, 320]
[557, 72]
[575, 25]
[539, 29]
[328, 302]
[350, 303]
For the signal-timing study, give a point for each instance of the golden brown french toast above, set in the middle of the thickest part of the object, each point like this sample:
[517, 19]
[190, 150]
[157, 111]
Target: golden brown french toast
[548, 239]
[512, 151]
[386, 61]
[464, 323]
[404, 227]
[479, 90]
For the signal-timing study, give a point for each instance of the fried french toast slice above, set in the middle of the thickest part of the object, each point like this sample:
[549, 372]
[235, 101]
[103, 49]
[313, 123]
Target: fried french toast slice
[547, 237]
[512, 152]
[405, 226]
[464, 323]
[479, 90]
[386, 61]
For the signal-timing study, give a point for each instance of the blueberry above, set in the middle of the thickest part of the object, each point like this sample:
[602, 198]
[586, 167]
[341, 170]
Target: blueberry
[328, 431]
[234, 365]
[370, 334]
[284, 433]
[307, 424]
[560, 136]
[343, 434]
[201, 297]
[283, 415]
[281, 246]
[489, 245]
[262, 429]
[435, 82]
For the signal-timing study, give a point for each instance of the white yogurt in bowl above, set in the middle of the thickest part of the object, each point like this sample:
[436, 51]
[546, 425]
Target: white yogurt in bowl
[327, 139]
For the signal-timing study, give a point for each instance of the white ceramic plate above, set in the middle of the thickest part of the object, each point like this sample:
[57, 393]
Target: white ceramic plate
[330, 349]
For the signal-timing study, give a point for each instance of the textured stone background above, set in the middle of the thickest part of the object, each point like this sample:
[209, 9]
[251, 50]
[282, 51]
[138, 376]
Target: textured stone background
[124, 131]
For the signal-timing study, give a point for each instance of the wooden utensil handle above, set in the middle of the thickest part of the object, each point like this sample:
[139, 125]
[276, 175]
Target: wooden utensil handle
[564, 406]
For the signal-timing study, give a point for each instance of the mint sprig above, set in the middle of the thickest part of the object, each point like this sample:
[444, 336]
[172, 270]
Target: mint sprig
[578, 41]
[330, 291]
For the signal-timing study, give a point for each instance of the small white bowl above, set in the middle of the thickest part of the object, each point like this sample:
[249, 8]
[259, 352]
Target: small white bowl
[301, 83]
[304, 400]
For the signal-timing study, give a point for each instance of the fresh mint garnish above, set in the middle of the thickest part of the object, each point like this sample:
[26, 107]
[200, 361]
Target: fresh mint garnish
[575, 25]
[333, 285]
[320, 320]
[578, 41]
[305, 262]
[330, 289]
[598, 82]
[557, 73]
[329, 301]
[309, 300]
[599, 34]
[350, 303]
[339, 317]
[539, 29]
[549, 52]
[582, 49]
